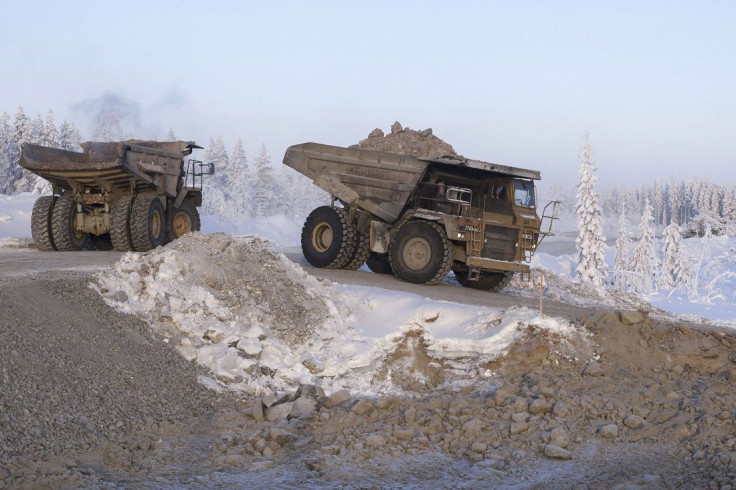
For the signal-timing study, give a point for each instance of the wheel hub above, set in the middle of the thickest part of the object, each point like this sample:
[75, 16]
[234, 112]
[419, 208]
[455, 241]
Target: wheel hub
[181, 224]
[417, 253]
[322, 237]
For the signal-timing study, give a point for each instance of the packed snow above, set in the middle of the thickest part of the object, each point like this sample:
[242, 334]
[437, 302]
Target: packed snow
[260, 323]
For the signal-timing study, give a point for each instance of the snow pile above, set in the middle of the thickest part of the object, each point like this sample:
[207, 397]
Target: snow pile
[260, 323]
[405, 141]
[15, 214]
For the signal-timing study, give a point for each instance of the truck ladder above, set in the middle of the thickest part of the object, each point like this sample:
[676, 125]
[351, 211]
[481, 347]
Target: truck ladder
[475, 248]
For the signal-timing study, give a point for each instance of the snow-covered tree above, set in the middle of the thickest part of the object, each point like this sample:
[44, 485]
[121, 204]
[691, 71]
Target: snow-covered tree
[171, 136]
[644, 260]
[622, 252]
[6, 182]
[51, 134]
[38, 130]
[240, 187]
[674, 199]
[674, 267]
[590, 241]
[264, 184]
[216, 191]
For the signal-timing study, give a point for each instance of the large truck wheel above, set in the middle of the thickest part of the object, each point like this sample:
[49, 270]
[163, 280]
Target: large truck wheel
[489, 281]
[327, 238]
[379, 263]
[421, 253]
[120, 223]
[41, 223]
[183, 219]
[147, 223]
[66, 237]
[361, 252]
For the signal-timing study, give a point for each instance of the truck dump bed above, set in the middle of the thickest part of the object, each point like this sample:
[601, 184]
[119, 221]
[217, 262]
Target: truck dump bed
[381, 183]
[110, 167]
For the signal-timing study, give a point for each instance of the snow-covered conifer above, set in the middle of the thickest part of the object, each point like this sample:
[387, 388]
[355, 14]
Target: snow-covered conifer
[170, 136]
[590, 241]
[51, 134]
[643, 262]
[674, 268]
[264, 184]
[622, 253]
[108, 125]
[239, 185]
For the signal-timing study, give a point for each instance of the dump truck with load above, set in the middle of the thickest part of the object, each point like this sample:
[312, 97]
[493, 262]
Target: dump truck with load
[421, 218]
[130, 195]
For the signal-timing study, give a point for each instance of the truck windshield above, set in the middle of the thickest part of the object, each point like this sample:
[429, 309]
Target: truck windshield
[524, 193]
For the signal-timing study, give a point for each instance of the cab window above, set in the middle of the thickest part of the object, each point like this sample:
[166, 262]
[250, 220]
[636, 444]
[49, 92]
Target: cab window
[524, 193]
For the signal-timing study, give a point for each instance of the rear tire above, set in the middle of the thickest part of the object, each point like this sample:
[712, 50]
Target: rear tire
[421, 253]
[327, 238]
[182, 220]
[379, 263]
[66, 237]
[41, 223]
[489, 281]
[120, 224]
[147, 223]
[361, 253]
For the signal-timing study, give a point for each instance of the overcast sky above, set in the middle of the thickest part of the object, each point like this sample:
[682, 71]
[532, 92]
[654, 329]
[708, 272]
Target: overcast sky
[510, 82]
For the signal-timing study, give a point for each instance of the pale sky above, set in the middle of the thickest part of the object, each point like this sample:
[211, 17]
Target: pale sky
[510, 82]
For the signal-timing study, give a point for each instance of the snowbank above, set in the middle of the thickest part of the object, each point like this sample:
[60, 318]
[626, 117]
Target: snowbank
[260, 323]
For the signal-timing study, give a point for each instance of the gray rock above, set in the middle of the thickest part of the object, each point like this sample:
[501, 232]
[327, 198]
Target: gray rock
[404, 434]
[281, 436]
[557, 452]
[608, 431]
[279, 412]
[593, 369]
[634, 422]
[518, 427]
[376, 133]
[396, 128]
[539, 406]
[363, 407]
[560, 410]
[337, 398]
[268, 400]
[559, 437]
[473, 426]
[258, 410]
[632, 317]
[302, 407]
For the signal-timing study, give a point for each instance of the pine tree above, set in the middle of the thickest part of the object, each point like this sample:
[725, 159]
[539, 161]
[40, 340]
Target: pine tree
[51, 135]
[674, 269]
[239, 183]
[6, 185]
[643, 262]
[590, 242]
[171, 136]
[215, 195]
[621, 257]
[264, 185]
[674, 198]
[658, 202]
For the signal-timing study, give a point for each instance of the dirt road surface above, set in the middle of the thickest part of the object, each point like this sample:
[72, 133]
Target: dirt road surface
[90, 397]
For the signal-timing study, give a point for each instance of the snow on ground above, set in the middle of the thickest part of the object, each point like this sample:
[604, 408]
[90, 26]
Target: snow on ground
[260, 323]
[15, 215]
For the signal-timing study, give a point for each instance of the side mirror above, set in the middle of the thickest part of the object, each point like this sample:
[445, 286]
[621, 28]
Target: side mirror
[210, 168]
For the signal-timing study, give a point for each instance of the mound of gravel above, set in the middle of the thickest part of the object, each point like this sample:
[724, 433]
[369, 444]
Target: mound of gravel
[405, 141]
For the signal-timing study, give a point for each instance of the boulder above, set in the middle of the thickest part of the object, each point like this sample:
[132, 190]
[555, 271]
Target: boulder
[337, 398]
[557, 452]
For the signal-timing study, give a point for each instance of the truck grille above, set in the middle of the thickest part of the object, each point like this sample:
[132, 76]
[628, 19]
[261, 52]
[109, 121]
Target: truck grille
[500, 243]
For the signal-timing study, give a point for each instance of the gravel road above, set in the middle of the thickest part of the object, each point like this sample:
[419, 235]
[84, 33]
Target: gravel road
[91, 398]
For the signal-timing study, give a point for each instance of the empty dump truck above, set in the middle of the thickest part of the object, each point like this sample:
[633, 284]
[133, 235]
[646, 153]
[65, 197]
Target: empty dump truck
[420, 218]
[129, 195]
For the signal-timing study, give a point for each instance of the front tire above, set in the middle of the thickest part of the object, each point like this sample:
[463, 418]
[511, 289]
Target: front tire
[489, 281]
[41, 223]
[182, 220]
[421, 253]
[147, 223]
[379, 263]
[66, 237]
[327, 238]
